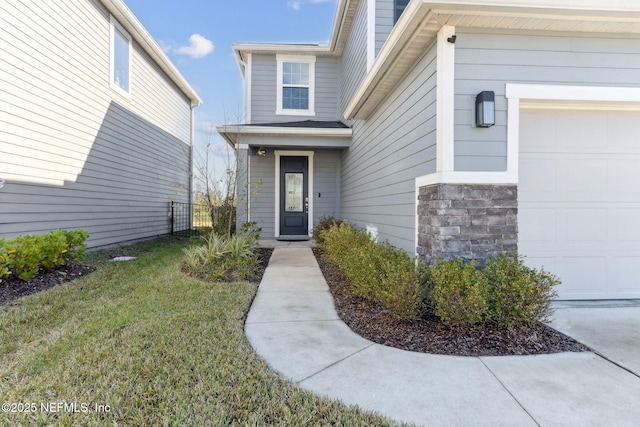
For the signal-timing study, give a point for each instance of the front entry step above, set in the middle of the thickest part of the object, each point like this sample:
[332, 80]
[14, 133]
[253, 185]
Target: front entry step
[293, 238]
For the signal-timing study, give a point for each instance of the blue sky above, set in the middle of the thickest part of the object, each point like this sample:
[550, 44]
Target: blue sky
[198, 34]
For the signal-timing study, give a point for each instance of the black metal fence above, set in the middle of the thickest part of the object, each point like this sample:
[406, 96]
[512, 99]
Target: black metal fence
[189, 220]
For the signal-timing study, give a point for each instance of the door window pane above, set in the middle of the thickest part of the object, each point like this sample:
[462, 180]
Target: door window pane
[294, 192]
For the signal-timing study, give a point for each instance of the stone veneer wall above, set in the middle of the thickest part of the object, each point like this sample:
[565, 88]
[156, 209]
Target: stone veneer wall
[469, 221]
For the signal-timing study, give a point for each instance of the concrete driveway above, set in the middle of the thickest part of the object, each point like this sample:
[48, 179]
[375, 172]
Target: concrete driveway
[610, 328]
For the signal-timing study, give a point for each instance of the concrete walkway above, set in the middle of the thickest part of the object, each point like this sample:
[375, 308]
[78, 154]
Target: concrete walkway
[293, 325]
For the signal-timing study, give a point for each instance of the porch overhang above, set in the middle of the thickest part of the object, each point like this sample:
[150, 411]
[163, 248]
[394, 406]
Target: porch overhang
[319, 134]
[418, 27]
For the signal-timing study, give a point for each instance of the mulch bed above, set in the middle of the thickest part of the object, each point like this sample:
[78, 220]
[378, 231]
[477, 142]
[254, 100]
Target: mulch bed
[428, 335]
[13, 288]
[264, 255]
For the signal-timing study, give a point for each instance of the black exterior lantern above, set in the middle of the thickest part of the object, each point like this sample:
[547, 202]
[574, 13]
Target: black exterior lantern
[485, 109]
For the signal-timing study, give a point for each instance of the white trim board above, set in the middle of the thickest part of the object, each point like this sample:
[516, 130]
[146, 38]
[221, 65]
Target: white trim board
[285, 153]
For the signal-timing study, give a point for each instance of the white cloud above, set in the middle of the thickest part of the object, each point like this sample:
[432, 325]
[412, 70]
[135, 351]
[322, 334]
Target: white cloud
[199, 47]
[297, 4]
[206, 126]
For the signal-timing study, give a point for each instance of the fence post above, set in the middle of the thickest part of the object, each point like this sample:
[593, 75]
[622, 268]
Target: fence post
[173, 218]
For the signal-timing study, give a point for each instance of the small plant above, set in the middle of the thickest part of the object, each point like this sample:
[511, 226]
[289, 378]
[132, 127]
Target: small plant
[459, 292]
[222, 259]
[518, 295]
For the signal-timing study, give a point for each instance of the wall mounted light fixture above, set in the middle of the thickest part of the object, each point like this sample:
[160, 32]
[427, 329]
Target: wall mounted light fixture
[485, 109]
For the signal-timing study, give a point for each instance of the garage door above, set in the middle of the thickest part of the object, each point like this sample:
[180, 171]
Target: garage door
[579, 199]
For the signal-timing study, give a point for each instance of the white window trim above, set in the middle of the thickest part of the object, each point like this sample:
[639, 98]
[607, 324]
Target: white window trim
[309, 155]
[113, 25]
[311, 60]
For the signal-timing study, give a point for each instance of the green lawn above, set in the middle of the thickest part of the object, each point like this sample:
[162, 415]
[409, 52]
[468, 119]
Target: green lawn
[150, 346]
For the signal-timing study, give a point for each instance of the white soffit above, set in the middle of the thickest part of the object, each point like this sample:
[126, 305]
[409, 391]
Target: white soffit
[416, 30]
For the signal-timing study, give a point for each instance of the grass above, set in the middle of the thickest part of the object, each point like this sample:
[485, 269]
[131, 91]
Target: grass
[153, 347]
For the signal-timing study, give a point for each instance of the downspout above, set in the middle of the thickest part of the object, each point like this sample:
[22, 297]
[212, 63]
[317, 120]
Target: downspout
[191, 144]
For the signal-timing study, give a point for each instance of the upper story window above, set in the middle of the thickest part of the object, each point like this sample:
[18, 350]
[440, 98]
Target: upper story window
[399, 6]
[296, 85]
[120, 74]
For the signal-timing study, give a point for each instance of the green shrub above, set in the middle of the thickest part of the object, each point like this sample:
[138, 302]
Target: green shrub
[24, 256]
[76, 244]
[222, 259]
[505, 292]
[325, 223]
[459, 292]
[4, 261]
[518, 295]
[377, 272]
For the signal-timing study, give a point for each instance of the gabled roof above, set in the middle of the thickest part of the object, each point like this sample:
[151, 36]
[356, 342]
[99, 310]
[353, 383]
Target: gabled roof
[128, 20]
[345, 14]
[422, 19]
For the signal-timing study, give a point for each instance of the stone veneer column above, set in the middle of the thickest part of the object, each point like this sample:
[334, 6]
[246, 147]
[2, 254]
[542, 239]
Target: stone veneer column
[469, 221]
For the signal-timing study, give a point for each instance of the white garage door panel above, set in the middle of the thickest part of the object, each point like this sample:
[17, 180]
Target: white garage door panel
[579, 199]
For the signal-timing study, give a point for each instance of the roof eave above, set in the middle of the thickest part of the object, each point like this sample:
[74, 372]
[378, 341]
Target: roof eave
[128, 20]
[419, 24]
[227, 131]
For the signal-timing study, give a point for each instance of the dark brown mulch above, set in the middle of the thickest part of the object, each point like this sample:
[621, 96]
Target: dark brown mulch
[264, 255]
[428, 335]
[13, 288]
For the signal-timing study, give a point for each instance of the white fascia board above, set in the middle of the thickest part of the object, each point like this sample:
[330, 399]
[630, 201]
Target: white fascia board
[128, 20]
[274, 48]
[284, 131]
[407, 24]
[579, 6]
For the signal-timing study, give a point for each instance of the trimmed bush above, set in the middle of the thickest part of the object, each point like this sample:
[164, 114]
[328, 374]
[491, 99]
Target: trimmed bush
[325, 223]
[459, 293]
[4, 261]
[24, 256]
[376, 272]
[518, 295]
[505, 292]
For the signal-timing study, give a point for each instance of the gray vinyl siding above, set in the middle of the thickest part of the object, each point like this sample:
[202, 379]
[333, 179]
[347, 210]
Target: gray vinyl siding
[353, 66]
[326, 190]
[264, 86]
[326, 183]
[488, 59]
[74, 153]
[263, 189]
[384, 21]
[392, 148]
